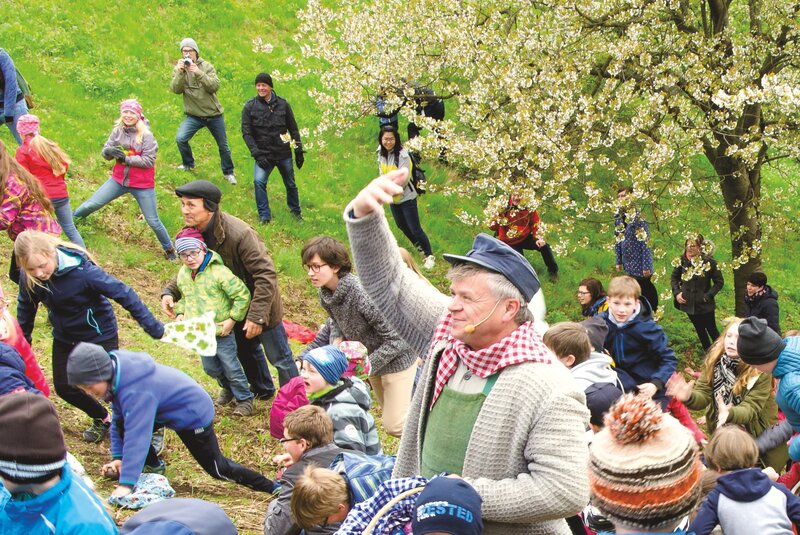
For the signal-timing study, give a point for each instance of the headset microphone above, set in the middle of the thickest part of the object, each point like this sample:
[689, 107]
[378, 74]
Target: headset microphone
[470, 328]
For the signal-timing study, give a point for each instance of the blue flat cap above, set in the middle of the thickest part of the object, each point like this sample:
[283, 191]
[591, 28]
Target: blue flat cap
[494, 255]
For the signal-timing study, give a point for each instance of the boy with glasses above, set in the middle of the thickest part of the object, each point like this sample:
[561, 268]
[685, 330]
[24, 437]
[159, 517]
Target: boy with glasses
[205, 284]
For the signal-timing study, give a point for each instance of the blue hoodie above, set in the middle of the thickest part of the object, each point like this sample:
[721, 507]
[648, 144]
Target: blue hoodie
[144, 394]
[747, 502]
[12, 372]
[76, 297]
[787, 369]
[68, 508]
[640, 350]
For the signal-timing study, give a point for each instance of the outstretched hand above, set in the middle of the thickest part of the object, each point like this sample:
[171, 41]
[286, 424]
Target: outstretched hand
[379, 192]
[678, 388]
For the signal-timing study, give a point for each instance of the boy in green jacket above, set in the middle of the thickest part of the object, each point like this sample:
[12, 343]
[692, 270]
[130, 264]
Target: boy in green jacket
[206, 284]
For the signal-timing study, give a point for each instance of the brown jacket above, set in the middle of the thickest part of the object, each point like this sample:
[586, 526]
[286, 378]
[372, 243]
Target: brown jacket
[244, 253]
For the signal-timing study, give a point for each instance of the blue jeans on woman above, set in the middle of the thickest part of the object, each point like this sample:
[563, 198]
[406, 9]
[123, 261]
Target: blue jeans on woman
[64, 216]
[216, 125]
[226, 368]
[146, 197]
[406, 216]
[20, 109]
[260, 177]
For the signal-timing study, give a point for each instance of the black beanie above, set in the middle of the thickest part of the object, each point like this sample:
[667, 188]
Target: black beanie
[758, 344]
[32, 445]
[89, 364]
[264, 78]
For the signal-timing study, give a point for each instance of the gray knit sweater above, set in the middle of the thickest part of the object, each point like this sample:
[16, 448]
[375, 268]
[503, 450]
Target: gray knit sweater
[527, 455]
[353, 316]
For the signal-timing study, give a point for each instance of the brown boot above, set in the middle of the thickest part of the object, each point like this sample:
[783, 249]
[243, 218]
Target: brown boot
[243, 408]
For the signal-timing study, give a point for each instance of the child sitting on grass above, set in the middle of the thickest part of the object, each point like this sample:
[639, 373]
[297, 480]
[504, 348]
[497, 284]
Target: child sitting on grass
[346, 400]
[308, 439]
[206, 284]
[745, 500]
[145, 395]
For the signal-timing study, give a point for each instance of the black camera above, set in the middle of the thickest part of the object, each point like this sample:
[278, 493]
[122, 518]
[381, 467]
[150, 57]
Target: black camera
[187, 62]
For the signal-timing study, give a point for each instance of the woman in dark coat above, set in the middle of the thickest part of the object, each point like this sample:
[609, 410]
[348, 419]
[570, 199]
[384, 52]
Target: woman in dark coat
[695, 282]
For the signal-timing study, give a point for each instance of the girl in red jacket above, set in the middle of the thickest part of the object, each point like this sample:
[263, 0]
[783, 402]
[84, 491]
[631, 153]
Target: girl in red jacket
[45, 160]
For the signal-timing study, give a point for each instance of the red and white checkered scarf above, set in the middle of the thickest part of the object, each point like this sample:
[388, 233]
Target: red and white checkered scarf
[522, 345]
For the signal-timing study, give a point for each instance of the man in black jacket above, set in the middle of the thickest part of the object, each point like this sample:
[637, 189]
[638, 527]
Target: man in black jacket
[270, 132]
[761, 301]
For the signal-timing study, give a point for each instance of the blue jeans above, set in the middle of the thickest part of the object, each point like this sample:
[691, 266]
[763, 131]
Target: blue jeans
[146, 197]
[20, 109]
[216, 125]
[226, 368]
[64, 216]
[260, 177]
[406, 216]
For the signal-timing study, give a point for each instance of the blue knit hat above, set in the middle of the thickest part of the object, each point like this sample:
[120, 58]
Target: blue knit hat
[329, 361]
[447, 505]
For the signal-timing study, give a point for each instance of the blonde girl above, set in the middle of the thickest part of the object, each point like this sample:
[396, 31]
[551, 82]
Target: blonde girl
[732, 392]
[133, 148]
[76, 293]
[45, 160]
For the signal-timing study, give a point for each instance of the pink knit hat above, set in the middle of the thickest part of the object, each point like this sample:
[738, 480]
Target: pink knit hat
[28, 125]
[131, 105]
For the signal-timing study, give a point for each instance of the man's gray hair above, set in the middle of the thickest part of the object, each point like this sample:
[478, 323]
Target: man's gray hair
[501, 287]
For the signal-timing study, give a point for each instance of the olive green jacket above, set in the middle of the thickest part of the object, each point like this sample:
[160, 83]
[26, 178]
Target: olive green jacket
[199, 90]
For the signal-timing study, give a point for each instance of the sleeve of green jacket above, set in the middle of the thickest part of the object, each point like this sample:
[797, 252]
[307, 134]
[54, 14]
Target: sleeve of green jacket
[237, 292]
[753, 402]
[208, 78]
[178, 84]
[701, 396]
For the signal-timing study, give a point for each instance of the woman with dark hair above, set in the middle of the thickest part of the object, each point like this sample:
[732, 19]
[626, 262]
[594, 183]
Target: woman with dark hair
[592, 297]
[695, 282]
[392, 155]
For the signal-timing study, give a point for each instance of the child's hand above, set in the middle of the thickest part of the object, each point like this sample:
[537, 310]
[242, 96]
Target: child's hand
[770, 473]
[111, 470]
[723, 410]
[121, 490]
[678, 388]
[227, 326]
[284, 459]
[168, 305]
[647, 389]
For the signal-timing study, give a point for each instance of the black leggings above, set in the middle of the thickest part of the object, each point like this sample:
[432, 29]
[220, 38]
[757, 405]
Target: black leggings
[706, 327]
[547, 253]
[71, 394]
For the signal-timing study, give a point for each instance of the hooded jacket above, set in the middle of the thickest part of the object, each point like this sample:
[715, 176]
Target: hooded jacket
[764, 306]
[139, 168]
[787, 370]
[746, 502]
[699, 291]
[144, 393]
[54, 186]
[269, 128]
[180, 516]
[199, 90]
[639, 348]
[68, 508]
[632, 253]
[76, 297]
[353, 426]
[12, 372]
[596, 369]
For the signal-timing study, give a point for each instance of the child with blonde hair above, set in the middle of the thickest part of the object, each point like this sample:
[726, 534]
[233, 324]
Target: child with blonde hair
[48, 162]
[133, 148]
[745, 500]
[731, 392]
[76, 292]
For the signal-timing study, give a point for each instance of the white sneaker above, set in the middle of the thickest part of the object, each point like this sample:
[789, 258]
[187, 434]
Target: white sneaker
[429, 262]
[182, 167]
[230, 178]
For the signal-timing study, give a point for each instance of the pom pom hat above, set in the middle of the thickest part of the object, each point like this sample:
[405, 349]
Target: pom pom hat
[644, 470]
[27, 125]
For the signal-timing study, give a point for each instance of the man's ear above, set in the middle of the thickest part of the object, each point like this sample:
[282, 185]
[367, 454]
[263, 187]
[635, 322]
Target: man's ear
[512, 306]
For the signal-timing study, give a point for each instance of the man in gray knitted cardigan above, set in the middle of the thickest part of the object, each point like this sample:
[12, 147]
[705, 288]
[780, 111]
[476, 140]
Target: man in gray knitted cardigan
[524, 450]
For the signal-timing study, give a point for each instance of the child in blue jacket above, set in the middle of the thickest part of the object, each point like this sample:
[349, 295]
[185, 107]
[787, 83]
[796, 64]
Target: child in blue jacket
[145, 395]
[76, 292]
[644, 361]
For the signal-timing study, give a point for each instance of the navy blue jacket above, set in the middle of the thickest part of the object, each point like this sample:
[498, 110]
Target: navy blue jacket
[12, 371]
[765, 307]
[76, 297]
[640, 350]
[745, 502]
[144, 393]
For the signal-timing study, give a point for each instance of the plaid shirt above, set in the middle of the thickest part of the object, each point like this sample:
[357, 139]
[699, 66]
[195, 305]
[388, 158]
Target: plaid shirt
[522, 345]
[396, 521]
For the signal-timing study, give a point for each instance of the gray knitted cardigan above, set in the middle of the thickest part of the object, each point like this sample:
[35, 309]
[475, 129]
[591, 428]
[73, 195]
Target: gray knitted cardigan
[527, 455]
[353, 316]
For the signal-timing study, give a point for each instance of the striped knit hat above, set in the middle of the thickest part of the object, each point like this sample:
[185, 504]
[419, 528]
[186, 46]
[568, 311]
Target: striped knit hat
[644, 469]
[188, 239]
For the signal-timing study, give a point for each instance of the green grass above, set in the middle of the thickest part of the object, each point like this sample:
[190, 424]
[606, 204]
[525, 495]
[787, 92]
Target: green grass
[85, 57]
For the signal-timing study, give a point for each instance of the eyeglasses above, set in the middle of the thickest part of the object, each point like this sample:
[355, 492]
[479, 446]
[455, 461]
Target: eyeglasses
[187, 50]
[584, 293]
[285, 440]
[314, 268]
[190, 254]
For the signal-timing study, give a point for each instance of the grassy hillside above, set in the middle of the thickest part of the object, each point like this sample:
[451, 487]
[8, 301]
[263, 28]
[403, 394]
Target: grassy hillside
[83, 58]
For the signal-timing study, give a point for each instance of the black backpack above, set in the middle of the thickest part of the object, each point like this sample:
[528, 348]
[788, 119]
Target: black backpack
[418, 179]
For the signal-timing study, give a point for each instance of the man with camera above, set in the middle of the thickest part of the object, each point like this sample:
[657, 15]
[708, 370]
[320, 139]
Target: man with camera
[197, 81]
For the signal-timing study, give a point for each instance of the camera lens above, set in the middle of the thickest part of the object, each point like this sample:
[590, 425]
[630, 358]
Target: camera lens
[187, 62]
